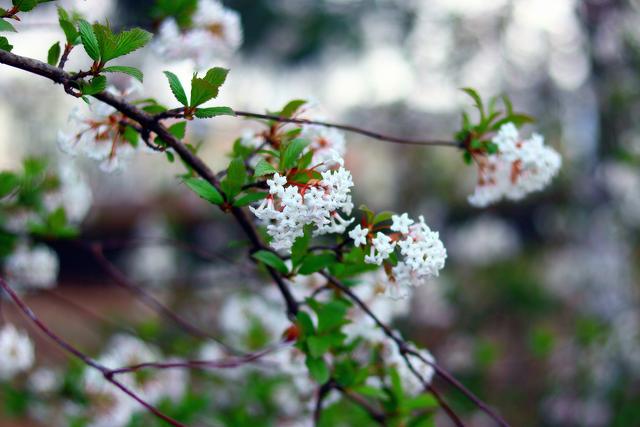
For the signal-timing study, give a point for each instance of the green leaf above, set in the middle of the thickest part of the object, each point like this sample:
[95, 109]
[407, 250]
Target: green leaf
[292, 152]
[132, 71]
[178, 129]
[8, 183]
[272, 260]
[5, 45]
[331, 315]
[420, 402]
[264, 168]
[293, 106]
[319, 345]
[176, 88]
[478, 101]
[106, 41]
[370, 391]
[235, 179]
[301, 246]
[382, 216]
[315, 263]
[305, 323]
[54, 54]
[89, 40]
[6, 26]
[131, 136]
[207, 113]
[71, 34]
[249, 198]
[205, 190]
[25, 5]
[318, 369]
[96, 85]
[216, 76]
[128, 41]
[201, 91]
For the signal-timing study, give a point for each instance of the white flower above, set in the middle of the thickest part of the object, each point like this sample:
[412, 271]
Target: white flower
[44, 381]
[520, 167]
[401, 223]
[74, 194]
[382, 246]
[359, 235]
[16, 352]
[216, 34]
[327, 144]
[108, 405]
[98, 134]
[290, 207]
[35, 267]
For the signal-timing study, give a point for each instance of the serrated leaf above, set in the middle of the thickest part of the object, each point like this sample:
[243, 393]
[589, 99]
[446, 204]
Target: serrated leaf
[178, 129]
[264, 168]
[202, 91]
[106, 41]
[131, 71]
[71, 34]
[207, 113]
[216, 76]
[249, 198]
[25, 5]
[6, 26]
[272, 260]
[314, 263]
[53, 56]
[176, 88]
[292, 153]
[89, 40]
[128, 41]
[5, 45]
[96, 85]
[205, 190]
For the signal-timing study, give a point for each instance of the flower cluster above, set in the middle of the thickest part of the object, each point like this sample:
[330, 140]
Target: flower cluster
[100, 134]
[216, 34]
[32, 267]
[422, 252]
[290, 206]
[16, 352]
[518, 168]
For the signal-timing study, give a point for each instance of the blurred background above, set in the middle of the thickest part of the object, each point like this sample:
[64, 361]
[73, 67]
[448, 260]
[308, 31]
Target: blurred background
[537, 310]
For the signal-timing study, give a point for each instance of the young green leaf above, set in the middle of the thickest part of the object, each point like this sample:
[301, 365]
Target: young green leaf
[216, 76]
[54, 54]
[249, 198]
[207, 113]
[128, 41]
[8, 183]
[6, 26]
[292, 153]
[272, 260]
[314, 263]
[205, 190]
[96, 85]
[89, 40]
[132, 71]
[478, 101]
[178, 129]
[236, 177]
[176, 88]
[264, 168]
[5, 45]
[318, 369]
[292, 107]
[201, 91]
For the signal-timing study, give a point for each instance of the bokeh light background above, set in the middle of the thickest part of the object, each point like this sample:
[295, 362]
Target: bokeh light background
[538, 308]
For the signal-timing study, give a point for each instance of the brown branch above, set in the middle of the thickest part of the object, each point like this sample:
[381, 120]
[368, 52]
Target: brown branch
[80, 355]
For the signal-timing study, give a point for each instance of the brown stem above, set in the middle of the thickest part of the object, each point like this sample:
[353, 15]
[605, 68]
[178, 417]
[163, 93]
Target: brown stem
[65, 55]
[80, 355]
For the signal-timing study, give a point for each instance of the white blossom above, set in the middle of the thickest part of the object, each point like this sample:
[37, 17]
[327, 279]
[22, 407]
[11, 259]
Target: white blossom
[97, 134]
[44, 381]
[382, 246]
[401, 223]
[359, 235]
[16, 352]
[215, 34]
[327, 144]
[74, 194]
[32, 267]
[518, 168]
[290, 207]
